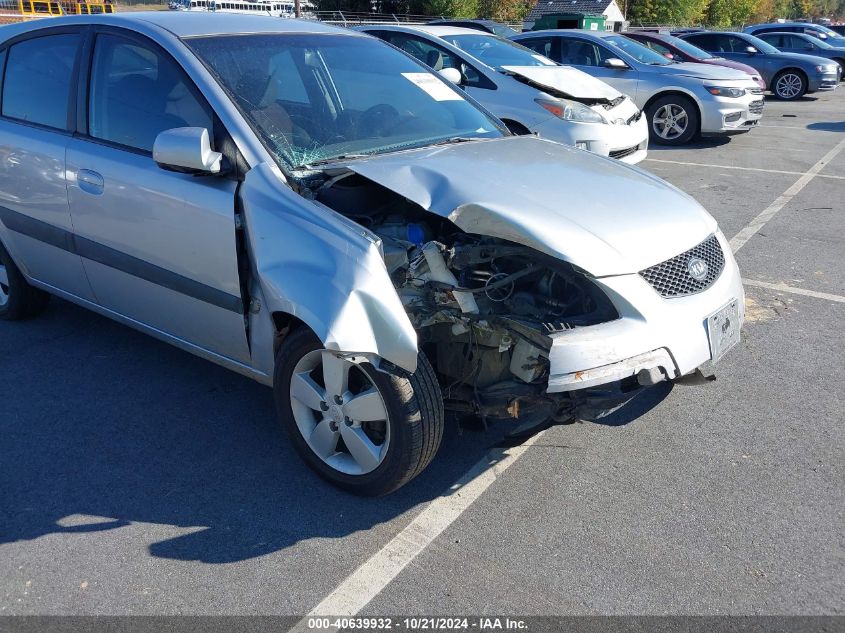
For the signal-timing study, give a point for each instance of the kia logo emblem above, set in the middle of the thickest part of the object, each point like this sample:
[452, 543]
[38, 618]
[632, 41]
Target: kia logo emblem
[697, 268]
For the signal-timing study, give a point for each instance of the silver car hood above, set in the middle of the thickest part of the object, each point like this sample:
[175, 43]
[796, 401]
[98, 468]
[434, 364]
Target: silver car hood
[566, 80]
[702, 71]
[599, 214]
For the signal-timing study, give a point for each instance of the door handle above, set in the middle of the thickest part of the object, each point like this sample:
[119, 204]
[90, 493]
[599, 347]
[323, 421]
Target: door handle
[90, 181]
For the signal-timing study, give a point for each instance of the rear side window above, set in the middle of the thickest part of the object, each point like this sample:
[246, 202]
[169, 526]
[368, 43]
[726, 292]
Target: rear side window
[544, 46]
[136, 92]
[708, 42]
[37, 82]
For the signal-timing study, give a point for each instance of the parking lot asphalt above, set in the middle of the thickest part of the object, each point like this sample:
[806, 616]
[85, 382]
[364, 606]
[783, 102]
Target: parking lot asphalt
[137, 479]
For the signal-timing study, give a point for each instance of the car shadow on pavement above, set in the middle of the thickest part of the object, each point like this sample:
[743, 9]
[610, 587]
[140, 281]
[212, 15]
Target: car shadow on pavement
[699, 143]
[103, 426]
[644, 402]
[825, 126]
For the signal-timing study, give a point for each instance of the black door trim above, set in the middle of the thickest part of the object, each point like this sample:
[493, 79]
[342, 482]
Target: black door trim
[102, 254]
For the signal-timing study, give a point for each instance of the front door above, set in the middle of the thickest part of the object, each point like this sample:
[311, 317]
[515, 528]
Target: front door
[590, 57]
[158, 246]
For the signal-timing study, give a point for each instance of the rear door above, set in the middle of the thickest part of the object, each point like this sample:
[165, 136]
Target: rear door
[159, 247]
[36, 120]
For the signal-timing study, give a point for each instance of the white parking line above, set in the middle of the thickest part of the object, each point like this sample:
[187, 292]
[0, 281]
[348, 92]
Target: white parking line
[793, 290]
[736, 167]
[362, 585]
[741, 238]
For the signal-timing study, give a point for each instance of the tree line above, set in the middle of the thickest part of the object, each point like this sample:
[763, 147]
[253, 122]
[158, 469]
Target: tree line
[727, 13]
[715, 13]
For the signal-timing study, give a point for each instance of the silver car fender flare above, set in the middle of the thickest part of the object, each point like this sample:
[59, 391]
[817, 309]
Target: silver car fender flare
[325, 270]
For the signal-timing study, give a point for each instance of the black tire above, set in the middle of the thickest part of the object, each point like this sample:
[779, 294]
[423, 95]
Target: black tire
[789, 85]
[414, 405]
[841, 63]
[685, 113]
[18, 300]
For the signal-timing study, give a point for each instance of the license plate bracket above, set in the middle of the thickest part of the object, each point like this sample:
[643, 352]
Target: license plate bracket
[723, 328]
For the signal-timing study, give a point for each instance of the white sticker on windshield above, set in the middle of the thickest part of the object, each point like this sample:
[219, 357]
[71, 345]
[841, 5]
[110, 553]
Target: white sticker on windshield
[435, 88]
[543, 60]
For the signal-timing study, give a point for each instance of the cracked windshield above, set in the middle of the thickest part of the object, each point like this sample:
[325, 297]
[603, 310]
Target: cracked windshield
[305, 96]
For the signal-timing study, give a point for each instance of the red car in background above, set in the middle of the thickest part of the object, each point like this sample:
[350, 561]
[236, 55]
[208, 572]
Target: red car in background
[680, 50]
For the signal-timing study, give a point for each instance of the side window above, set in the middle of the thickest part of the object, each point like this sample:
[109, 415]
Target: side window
[656, 47]
[582, 53]
[435, 56]
[775, 40]
[136, 93]
[286, 80]
[37, 82]
[791, 41]
[543, 45]
[736, 44]
[707, 42]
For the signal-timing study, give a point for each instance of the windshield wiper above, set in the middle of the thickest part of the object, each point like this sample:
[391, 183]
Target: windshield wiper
[333, 159]
[453, 139]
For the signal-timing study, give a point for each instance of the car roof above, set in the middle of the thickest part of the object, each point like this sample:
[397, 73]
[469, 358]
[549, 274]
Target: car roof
[188, 23]
[784, 33]
[802, 24]
[464, 21]
[437, 30]
[663, 37]
[575, 32]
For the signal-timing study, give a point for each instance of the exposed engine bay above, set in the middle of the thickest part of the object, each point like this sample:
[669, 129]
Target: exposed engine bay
[484, 309]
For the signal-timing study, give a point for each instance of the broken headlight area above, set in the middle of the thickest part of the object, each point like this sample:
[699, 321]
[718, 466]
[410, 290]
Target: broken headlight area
[484, 308]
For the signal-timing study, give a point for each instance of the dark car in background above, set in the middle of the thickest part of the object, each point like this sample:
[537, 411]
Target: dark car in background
[488, 26]
[679, 50]
[819, 31]
[788, 75]
[807, 44]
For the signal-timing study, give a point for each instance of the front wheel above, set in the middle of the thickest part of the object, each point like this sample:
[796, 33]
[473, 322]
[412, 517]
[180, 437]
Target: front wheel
[789, 85]
[18, 300]
[673, 120]
[366, 430]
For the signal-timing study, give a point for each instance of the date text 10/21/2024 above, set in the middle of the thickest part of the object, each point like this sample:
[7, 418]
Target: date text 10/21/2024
[422, 623]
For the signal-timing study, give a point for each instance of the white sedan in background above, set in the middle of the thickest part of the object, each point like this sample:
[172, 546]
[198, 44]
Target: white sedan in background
[527, 91]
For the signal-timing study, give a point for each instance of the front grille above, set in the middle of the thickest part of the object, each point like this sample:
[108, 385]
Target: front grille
[622, 153]
[756, 107]
[672, 278]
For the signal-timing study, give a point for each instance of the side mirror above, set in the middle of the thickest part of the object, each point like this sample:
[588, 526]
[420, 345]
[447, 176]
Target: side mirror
[615, 63]
[809, 46]
[668, 56]
[751, 50]
[451, 74]
[186, 150]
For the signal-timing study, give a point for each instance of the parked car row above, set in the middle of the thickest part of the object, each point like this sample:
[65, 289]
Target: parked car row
[663, 73]
[321, 212]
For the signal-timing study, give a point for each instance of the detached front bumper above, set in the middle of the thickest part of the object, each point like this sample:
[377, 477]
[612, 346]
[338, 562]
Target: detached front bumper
[627, 142]
[662, 337]
[725, 116]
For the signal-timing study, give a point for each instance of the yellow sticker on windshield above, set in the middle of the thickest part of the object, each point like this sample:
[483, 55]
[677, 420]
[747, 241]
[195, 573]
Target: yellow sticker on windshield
[435, 88]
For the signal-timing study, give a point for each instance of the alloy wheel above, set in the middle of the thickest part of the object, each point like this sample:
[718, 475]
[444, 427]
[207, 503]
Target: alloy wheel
[339, 412]
[789, 86]
[670, 121]
[4, 285]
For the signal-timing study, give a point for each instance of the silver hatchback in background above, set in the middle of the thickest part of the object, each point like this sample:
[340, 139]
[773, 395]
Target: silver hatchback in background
[318, 211]
[680, 99]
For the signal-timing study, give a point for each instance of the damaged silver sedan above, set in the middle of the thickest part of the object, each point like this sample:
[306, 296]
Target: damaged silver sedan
[316, 210]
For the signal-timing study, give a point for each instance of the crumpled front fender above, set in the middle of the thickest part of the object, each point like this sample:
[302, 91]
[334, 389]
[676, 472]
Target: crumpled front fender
[324, 269]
